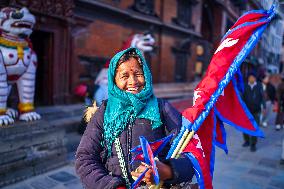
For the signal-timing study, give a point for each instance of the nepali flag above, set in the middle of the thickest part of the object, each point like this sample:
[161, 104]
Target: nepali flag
[217, 99]
[155, 146]
[149, 161]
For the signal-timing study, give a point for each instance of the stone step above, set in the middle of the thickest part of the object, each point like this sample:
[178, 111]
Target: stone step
[51, 113]
[174, 90]
[31, 148]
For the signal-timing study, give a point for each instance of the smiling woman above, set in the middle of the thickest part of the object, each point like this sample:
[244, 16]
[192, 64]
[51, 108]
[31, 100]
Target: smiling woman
[129, 73]
[132, 110]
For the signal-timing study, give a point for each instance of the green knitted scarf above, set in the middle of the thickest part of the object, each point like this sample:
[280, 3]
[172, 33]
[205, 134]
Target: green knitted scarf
[124, 107]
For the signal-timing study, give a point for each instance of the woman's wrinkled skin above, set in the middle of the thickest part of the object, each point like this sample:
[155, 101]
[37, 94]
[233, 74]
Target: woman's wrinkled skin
[129, 76]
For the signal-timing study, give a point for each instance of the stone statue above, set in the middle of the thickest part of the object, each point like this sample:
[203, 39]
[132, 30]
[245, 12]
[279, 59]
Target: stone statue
[18, 64]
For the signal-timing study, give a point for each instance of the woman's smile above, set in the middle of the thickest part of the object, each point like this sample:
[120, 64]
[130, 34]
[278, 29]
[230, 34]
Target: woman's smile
[130, 76]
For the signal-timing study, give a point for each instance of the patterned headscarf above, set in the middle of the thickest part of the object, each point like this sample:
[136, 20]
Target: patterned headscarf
[124, 107]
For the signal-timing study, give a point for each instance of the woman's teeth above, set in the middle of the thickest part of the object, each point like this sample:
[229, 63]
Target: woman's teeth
[132, 89]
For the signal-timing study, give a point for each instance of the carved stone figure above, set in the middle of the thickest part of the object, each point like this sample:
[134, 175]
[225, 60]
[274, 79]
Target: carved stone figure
[17, 64]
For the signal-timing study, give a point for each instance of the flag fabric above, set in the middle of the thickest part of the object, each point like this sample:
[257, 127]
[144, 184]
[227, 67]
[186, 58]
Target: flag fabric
[217, 99]
[155, 146]
[148, 158]
[139, 179]
[238, 115]
[195, 153]
[220, 137]
[200, 150]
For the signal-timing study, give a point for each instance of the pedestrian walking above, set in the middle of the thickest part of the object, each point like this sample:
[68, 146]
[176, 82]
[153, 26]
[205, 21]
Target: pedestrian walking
[280, 97]
[253, 98]
[270, 99]
[282, 154]
[132, 110]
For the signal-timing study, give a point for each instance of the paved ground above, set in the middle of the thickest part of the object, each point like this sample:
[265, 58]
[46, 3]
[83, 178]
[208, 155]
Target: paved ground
[240, 169]
[250, 170]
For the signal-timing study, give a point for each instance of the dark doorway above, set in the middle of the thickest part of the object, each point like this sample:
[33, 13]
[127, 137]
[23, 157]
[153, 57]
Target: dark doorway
[43, 46]
[182, 53]
[181, 66]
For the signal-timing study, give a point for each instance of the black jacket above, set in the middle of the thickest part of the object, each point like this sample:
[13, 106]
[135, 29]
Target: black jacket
[96, 170]
[270, 92]
[253, 97]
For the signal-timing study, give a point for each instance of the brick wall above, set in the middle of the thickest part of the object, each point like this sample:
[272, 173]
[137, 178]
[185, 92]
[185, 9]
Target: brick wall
[169, 11]
[102, 39]
[104, 36]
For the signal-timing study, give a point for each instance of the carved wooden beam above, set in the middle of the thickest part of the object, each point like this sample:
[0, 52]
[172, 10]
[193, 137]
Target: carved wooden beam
[62, 8]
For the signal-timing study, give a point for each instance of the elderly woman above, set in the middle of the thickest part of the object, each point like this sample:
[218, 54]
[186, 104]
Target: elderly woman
[132, 110]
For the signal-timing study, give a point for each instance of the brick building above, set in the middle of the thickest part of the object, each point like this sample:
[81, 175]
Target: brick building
[176, 26]
[74, 38]
[186, 32]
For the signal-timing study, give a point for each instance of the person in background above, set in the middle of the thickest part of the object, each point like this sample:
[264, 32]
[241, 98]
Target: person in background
[280, 97]
[282, 154]
[85, 91]
[269, 97]
[253, 97]
[280, 114]
[101, 81]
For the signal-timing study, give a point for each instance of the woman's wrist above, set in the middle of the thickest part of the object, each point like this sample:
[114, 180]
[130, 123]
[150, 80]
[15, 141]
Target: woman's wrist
[165, 171]
[121, 187]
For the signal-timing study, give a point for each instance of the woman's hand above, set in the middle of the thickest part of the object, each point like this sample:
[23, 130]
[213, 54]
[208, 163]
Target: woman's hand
[165, 172]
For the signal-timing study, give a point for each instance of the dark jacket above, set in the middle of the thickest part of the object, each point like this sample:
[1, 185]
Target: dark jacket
[96, 170]
[270, 92]
[280, 96]
[254, 98]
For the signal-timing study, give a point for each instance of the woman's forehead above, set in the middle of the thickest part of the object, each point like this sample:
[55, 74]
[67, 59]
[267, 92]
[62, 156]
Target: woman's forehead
[132, 63]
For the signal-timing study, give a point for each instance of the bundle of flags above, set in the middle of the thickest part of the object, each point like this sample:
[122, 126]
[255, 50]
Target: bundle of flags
[146, 152]
[216, 100]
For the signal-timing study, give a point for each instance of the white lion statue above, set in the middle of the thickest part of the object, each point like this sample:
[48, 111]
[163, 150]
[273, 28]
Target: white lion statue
[17, 64]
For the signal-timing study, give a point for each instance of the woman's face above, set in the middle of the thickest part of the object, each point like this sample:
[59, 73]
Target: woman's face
[129, 76]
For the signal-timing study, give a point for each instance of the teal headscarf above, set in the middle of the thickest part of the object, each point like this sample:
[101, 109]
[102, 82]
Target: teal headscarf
[124, 107]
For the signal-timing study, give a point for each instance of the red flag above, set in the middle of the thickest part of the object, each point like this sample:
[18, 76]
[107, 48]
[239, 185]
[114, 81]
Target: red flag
[216, 97]
[231, 109]
[200, 151]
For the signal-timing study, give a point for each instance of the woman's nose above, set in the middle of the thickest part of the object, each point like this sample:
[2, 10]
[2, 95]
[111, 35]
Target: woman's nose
[132, 80]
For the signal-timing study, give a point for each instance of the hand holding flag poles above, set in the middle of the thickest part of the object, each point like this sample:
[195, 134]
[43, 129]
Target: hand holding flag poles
[146, 153]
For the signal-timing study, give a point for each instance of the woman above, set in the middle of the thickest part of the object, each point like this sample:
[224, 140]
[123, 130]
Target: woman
[132, 110]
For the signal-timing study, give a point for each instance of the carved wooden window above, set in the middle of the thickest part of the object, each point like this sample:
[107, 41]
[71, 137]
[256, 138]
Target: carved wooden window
[50, 7]
[181, 57]
[145, 7]
[184, 13]
[92, 66]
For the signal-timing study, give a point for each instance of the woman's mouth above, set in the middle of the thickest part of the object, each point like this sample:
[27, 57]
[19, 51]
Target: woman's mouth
[132, 89]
